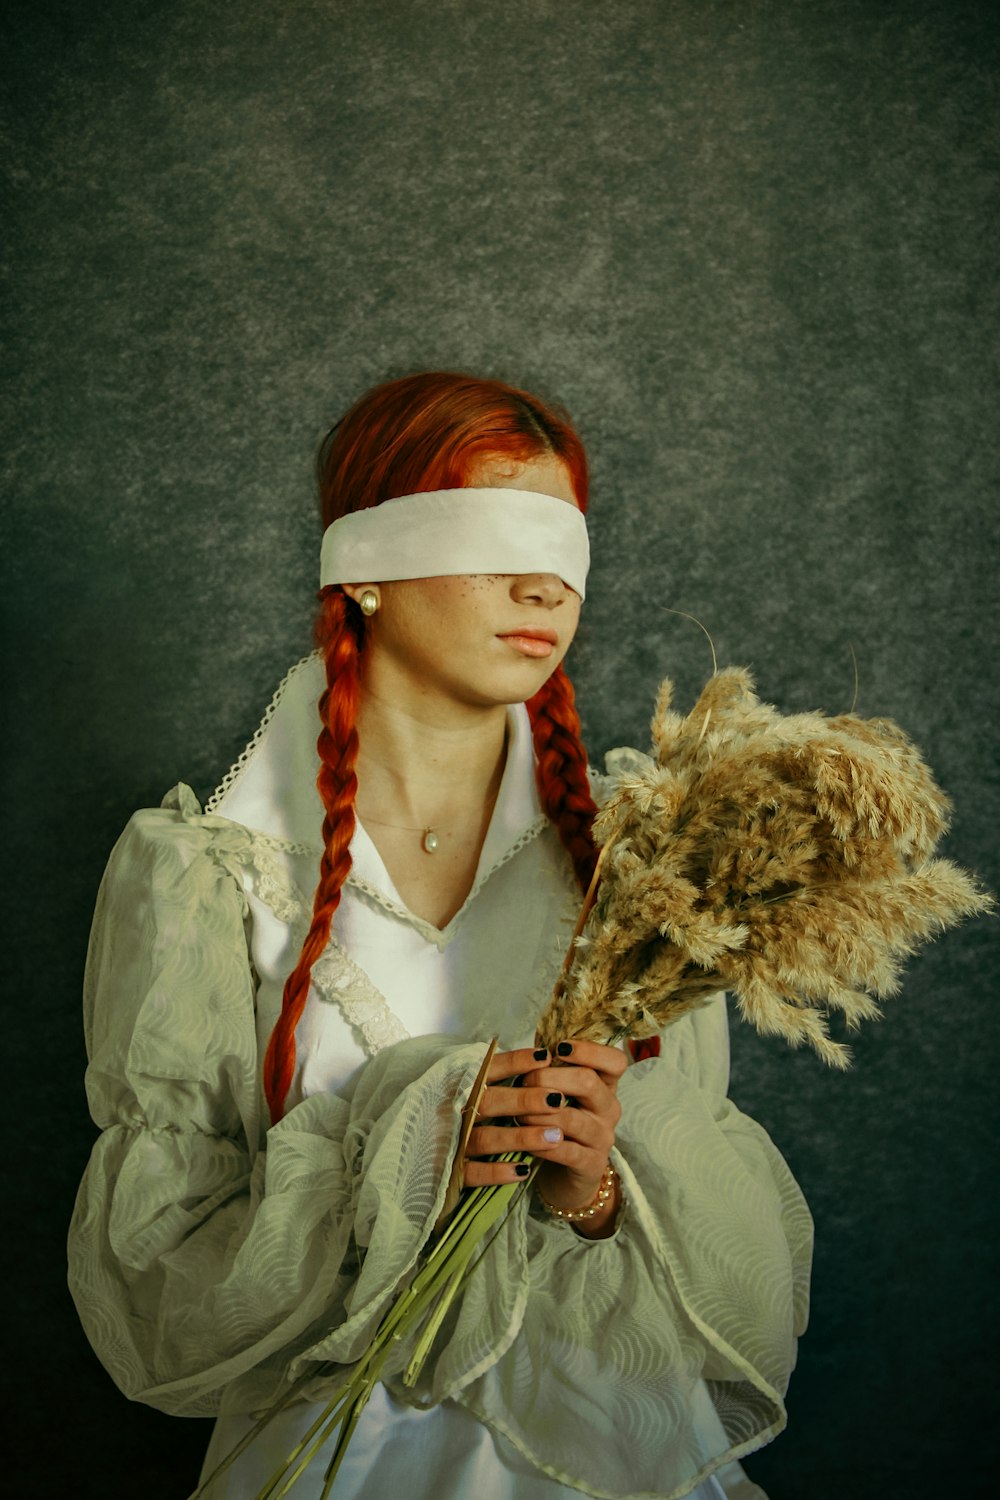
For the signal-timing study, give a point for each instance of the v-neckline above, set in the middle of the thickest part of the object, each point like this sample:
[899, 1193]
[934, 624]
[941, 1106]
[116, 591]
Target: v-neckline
[517, 815]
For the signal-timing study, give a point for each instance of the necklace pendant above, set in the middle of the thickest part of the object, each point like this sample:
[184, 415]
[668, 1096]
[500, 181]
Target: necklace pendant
[430, 841]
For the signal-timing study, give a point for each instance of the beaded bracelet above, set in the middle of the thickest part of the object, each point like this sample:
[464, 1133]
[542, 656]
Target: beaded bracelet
[605, 1192]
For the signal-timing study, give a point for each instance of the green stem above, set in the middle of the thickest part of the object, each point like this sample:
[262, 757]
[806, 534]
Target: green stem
[310, 1445]
[458, 1266]
[254, 1433]
[432, 1290]
[348, 1428]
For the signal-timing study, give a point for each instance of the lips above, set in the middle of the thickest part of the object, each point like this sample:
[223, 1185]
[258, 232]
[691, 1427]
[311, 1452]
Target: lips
[536, 643]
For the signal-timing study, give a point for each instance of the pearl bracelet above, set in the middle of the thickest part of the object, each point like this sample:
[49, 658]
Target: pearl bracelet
[605, 1192]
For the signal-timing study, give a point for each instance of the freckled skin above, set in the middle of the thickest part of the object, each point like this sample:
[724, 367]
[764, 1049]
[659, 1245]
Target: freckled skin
[442, 634]
[437, 638]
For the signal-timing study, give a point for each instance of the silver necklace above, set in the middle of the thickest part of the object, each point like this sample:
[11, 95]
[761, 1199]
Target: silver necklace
[430, 841]
[430, 838]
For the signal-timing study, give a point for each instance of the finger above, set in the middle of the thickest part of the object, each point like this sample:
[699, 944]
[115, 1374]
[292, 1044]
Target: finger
[507, 1101]
[495, 1140]
[585, 1162]
[489, 1173]
[610, 1062]
[513, 1064]
[579, 1127]
[547, 1134]
[587, 1089]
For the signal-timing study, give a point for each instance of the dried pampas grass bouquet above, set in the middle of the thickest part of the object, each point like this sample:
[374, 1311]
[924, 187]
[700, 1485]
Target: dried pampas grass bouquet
[786, 859]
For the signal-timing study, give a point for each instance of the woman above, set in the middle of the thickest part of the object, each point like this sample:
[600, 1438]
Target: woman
[280, 1092]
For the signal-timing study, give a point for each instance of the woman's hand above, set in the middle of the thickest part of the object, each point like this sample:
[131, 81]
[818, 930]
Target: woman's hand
[564, 1110]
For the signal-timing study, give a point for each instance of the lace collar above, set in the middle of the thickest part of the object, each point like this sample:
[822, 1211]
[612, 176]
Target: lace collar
[271, 788]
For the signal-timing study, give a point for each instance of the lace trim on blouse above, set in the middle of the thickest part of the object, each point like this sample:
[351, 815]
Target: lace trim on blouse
[274, 885]
[239, 764]
[442, 936]
[341, 982]
[337, 979]
[239, 848]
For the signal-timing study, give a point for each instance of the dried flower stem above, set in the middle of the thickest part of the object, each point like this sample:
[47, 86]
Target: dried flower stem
[428, 1296]
[588, 904]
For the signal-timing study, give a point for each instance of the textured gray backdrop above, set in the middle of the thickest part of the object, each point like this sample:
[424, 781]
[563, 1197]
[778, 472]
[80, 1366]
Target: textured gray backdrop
[751, 246]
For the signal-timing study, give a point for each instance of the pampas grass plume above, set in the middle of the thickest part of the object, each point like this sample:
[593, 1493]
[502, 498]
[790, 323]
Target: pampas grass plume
[785, 858]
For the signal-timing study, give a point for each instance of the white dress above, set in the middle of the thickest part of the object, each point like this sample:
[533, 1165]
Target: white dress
[710, 1263]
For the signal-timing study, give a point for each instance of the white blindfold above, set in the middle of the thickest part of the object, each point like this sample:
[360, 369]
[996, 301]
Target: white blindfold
[471, 530]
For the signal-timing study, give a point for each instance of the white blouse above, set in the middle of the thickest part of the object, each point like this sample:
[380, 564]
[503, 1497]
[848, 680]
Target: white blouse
[484, 973]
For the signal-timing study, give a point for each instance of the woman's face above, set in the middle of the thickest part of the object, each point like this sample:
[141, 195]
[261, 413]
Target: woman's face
[476, 639]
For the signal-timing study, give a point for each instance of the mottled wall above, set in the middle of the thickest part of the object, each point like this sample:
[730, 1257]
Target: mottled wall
[752, 248]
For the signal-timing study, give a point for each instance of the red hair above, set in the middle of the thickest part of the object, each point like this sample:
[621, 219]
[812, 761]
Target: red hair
[423, 432]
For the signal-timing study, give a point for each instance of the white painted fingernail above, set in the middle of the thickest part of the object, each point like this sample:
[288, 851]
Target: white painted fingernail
[553, 1135]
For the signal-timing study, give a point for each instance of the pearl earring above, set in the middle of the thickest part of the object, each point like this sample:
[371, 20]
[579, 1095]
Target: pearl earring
[368, 602]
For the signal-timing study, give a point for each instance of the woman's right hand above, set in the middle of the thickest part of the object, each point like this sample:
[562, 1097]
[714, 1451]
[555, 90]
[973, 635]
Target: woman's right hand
[562, 1110]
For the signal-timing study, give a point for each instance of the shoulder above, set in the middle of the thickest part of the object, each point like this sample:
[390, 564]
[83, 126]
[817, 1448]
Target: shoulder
[176, 848]
[617, 763]
[168, 987]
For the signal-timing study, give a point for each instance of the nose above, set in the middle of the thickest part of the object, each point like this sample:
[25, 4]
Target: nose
[546, 589]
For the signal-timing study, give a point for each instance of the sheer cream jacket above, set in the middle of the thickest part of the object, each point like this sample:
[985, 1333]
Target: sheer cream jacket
[213, 1255]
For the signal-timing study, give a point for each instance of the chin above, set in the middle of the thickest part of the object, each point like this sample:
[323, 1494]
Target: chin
[516, 687]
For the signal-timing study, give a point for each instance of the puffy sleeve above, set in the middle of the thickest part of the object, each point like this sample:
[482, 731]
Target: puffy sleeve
[192, 1257]
[607, 1346]
[204, 1253]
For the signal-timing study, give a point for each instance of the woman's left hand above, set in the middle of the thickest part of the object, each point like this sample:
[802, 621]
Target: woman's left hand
[566, 1111]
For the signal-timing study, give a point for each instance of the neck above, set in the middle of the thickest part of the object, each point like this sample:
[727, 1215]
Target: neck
[425, 764]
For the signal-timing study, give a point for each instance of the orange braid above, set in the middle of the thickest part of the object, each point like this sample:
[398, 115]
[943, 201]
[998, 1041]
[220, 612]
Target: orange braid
[561, 771]
[340, 632]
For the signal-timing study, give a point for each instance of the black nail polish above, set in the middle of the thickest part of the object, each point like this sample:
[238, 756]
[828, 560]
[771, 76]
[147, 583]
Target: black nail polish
[540, 1054]
[564, 1049]
[522, 1169]
[553, 1100]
